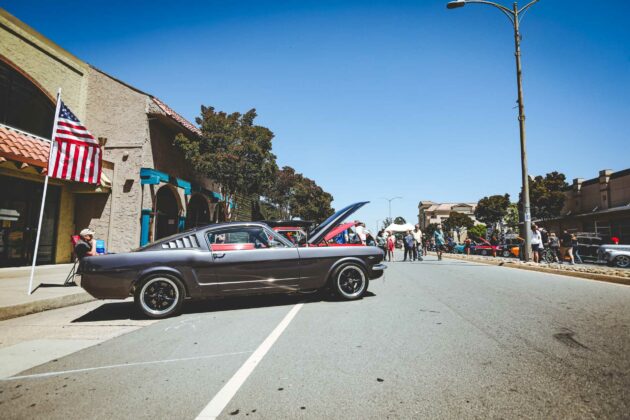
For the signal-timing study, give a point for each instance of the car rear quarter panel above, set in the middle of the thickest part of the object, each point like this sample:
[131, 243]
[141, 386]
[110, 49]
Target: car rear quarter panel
[114, 276]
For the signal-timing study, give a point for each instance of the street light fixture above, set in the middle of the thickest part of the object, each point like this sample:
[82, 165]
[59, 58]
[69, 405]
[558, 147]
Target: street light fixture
[515, 16]
[390, 204]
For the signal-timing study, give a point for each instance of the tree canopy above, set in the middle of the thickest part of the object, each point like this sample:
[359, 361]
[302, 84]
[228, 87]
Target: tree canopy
[295, 195]
[546, 195]
[477, 231]
[232, 151]
[491, 210]
[456, 221]
[400, 220]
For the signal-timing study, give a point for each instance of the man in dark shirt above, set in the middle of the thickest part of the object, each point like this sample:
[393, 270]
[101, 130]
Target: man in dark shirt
[408, 243]
[86, 246]
[565, 245]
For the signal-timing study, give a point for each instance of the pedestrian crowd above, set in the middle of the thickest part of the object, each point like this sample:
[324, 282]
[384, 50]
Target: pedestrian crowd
[547, 246]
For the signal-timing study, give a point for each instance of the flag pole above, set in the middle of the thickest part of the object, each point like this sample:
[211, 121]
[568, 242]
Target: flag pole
[41, 210]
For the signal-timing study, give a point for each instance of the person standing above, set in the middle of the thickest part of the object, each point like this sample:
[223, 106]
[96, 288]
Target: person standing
[438, 237]
[537, 245]
[565, 246]
[417, 236]
[574, 250]
[554, 244]
[391, 244]
[467, 243]
[359, 228]
[408, 244]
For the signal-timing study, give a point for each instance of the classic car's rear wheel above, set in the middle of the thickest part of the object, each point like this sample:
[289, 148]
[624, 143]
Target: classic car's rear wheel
[159, 296]
[507, 253]
[622, 261]
[350, 281]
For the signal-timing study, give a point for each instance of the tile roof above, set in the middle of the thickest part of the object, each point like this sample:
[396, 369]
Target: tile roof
[174, 115]
[23, 147]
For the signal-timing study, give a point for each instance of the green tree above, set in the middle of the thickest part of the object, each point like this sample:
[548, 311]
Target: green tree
[232, 151]
[388, 221]
[456, 222]
[546, 195]
[477, 231]
[400, 220]
[491, 210]
[511, 218]
[295, 195]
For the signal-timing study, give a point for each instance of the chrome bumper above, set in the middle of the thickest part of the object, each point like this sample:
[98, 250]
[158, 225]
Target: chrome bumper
[379, 267]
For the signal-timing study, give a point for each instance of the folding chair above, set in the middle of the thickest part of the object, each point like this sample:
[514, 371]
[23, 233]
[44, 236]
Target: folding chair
[73, 271]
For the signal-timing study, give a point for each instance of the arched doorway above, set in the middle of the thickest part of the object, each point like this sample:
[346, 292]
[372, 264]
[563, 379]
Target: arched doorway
[166, 213]
[198, 212]
[219, 213]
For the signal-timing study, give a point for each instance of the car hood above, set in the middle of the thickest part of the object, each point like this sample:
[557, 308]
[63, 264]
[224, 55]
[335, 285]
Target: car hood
[317, 234]
[337, 230]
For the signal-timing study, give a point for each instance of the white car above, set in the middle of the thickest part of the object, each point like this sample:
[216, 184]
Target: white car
[616, 255]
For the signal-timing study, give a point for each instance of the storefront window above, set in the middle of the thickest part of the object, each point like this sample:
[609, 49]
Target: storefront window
[20, 203]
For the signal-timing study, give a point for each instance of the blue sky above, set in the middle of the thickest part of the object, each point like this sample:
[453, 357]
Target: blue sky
[378, 98]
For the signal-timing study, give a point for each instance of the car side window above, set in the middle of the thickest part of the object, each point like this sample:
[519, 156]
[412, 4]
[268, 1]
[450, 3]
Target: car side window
[243, 239]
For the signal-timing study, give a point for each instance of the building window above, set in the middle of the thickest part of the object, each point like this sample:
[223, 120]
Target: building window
[23, 105]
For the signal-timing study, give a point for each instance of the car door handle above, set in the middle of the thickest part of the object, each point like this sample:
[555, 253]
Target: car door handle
[218, 255]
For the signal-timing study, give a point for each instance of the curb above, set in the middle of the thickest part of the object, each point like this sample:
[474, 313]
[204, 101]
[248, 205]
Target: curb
[588, 276]
[15, 311]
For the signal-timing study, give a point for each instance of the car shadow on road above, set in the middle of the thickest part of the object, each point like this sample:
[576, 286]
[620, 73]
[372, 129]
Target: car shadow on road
[116, 311]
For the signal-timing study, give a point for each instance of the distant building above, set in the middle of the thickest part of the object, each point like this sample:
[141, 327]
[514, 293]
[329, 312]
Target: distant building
[600, 205]
[430, 212]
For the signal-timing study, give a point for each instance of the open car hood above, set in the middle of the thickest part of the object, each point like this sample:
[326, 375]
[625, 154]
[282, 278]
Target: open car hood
[317, 234]
[337, 230]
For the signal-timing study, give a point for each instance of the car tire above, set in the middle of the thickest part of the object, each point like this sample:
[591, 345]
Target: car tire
[484, 252]
[349, 281]
[507, 254]
[159, 296]
[622, 261]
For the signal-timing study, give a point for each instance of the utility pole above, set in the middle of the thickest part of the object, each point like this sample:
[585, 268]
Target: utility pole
[515, 15]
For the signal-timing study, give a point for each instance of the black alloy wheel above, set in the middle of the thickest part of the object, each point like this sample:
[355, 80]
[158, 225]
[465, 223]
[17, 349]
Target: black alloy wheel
[350, 281]
[160, 296]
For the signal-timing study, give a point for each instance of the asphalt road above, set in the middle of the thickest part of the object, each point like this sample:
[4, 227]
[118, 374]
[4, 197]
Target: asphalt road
[444, 339]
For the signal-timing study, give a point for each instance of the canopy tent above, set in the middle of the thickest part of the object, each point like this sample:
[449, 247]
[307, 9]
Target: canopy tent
[399, 228]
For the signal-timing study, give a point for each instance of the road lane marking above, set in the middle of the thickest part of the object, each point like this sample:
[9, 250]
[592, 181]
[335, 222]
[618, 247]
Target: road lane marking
[225, 395]
[65, 372]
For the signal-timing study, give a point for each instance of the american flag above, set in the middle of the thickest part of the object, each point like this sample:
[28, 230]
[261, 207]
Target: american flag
[76, 154]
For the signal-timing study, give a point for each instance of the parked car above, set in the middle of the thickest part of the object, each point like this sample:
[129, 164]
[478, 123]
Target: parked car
[615, 255]
[483, 247]
[293, 230]
[588, 246]
[510, 248]
[231, 259]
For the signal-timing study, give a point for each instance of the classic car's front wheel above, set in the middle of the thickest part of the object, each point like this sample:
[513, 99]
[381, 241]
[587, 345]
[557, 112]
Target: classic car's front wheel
[159, 296]
[350, 281]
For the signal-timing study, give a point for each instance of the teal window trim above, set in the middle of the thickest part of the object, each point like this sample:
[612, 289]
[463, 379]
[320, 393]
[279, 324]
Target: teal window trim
[152, 176]
[214, 197]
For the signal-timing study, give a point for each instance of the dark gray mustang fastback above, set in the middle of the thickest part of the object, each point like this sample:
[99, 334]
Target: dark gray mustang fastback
[231, 259]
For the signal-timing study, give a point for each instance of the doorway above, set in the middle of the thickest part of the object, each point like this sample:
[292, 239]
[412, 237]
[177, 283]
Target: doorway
[166, 213]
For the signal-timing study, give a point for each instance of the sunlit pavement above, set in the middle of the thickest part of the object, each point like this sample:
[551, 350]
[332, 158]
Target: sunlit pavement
[445, 339]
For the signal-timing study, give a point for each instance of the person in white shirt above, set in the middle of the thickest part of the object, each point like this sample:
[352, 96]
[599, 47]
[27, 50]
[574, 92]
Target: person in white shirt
[359, 228]
[537, 243]
[417, 236]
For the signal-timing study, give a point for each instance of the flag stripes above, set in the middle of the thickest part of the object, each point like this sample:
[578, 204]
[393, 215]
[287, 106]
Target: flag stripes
[76, 155]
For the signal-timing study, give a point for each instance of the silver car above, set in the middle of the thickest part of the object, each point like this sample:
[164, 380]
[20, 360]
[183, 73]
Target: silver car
[615, 255]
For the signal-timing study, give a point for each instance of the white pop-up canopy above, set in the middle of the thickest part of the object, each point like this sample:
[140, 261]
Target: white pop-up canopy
[399, 228]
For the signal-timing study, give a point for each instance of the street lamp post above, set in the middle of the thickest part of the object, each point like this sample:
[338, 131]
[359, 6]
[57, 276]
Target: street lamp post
[390, 205]
[515, 16]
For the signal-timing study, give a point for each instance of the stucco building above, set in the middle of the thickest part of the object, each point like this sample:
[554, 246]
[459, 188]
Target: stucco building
[600, 205]
[147, 192]
[430, 212]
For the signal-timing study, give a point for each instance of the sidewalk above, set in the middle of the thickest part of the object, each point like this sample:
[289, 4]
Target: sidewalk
[585, 271]
[14, 298]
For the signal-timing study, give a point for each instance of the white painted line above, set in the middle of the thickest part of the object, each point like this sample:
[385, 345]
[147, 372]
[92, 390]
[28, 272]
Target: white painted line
[225, 395]
[65, 372]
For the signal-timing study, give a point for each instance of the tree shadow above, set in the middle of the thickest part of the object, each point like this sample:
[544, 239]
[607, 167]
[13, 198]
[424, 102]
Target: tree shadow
[116, 311]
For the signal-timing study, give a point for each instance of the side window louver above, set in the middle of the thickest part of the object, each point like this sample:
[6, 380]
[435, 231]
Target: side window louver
[182, 243]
